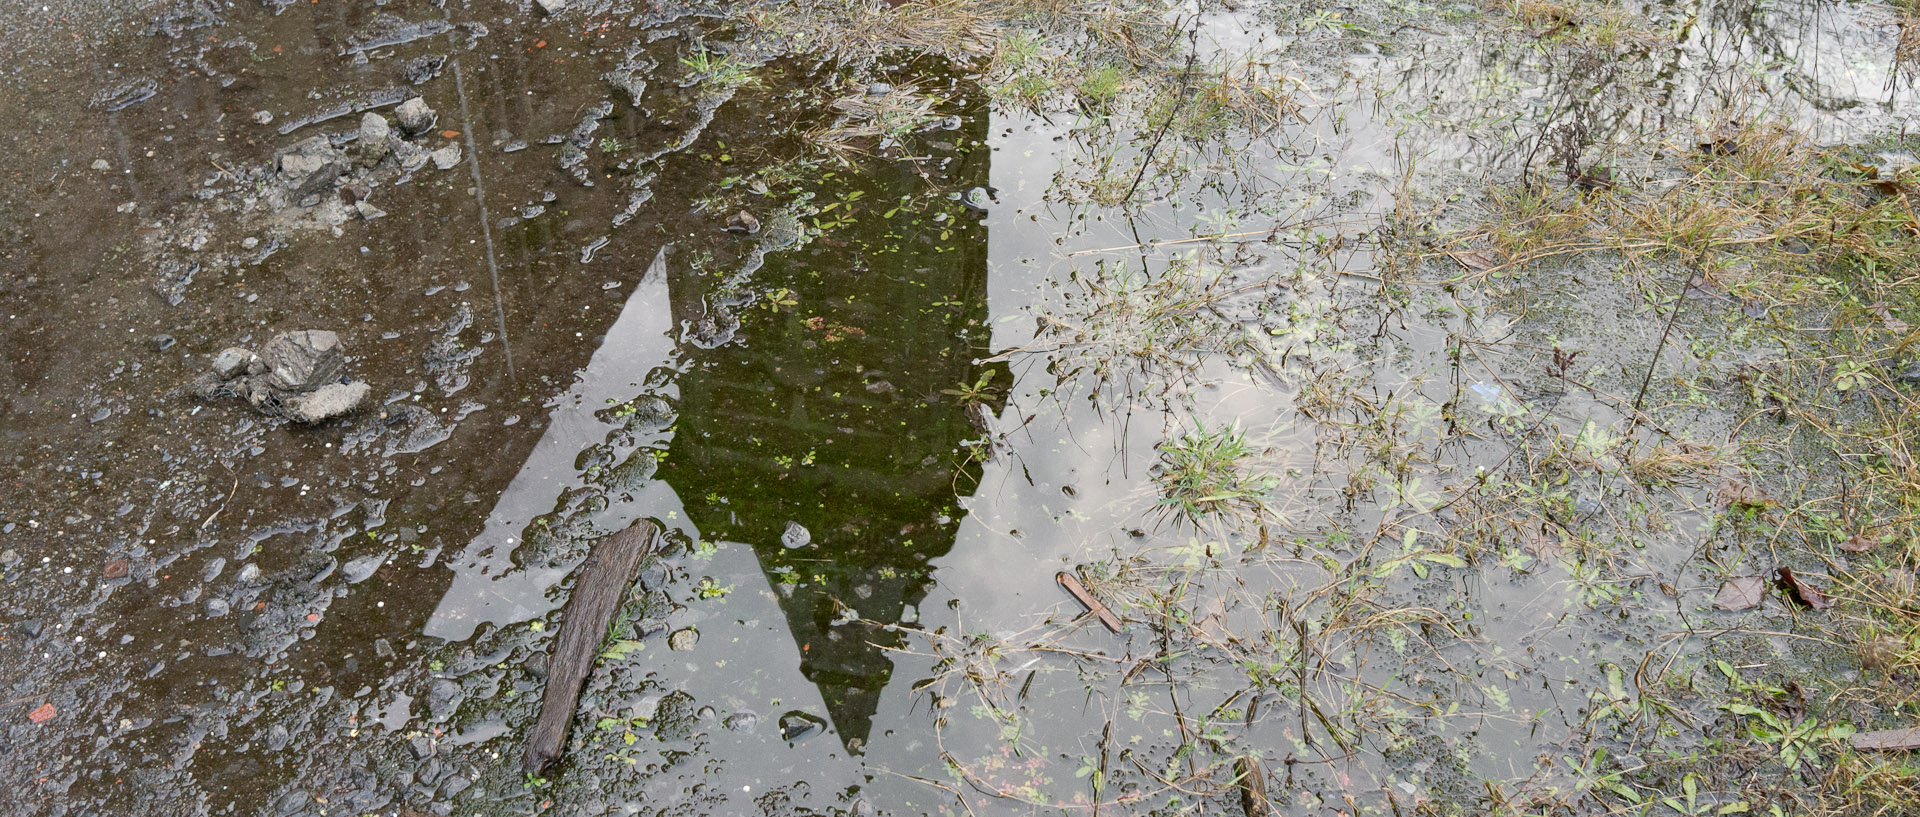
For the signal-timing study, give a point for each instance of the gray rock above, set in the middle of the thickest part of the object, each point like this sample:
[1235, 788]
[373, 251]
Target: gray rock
[443, 697]
[249, 573]
[446, 157]
[683, 640]
[1911, 374]
[327, 402]
[303, 360]
[217, 608]
[879, 89]
[742, 721]
[798, 725]
[414, 117]
[796, 536]
[367, 211]
[305, 158]
[232, 361]
[8, 558]
[653, 577]
[552, 7]
[375, 138]
[363, 568]
[977, 199]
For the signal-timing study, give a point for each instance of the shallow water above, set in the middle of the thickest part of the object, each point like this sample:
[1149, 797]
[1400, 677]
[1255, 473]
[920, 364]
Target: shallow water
[562, 337]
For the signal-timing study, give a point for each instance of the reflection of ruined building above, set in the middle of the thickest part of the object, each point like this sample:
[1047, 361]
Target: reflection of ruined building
[828, 411]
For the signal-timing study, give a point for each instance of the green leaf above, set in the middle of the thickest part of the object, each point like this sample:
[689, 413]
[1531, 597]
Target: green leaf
[618, 650]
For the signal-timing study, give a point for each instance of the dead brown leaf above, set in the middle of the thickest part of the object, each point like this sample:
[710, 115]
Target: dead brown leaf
[1804, 590]
[43, 713]
[1477, 260]
[1743, 593]
[1893, 324]
[1859, 543]
[1741, 497]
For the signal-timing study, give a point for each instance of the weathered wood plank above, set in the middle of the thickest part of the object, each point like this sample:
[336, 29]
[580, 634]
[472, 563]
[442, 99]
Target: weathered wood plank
[1889, 739]
[604, 579]
[1087, 600]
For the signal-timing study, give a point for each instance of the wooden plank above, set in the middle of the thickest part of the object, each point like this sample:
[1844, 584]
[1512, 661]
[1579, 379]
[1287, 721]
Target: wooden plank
[1889, 739]
[604, 579]
[1086, 599]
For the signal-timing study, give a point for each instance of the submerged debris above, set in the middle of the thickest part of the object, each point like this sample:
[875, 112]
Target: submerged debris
[298, 375]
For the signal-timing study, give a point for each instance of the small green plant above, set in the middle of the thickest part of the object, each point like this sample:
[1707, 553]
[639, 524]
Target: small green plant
[1102, 84]
[982, 390]
[610, 144]
[1204, 472]
[779, 299]
[710, 589]
[722, 72]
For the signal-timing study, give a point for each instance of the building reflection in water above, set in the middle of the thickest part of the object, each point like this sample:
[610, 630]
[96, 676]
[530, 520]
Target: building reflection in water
[837, 413]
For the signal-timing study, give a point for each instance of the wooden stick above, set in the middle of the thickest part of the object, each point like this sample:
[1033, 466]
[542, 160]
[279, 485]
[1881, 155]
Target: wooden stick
[604, 579]
[1087, 600]
[1251, 779]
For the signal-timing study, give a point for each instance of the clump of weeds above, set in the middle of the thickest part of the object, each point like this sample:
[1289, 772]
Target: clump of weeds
[1206, 473]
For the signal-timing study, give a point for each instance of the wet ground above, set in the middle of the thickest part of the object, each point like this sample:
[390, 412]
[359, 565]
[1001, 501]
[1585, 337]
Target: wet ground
[879, 396]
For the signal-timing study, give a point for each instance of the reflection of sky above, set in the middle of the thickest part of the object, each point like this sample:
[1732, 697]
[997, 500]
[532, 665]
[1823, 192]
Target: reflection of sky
[489, 587]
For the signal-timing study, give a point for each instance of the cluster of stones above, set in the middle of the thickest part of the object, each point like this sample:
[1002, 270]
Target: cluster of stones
[297, 375]
[379, 151]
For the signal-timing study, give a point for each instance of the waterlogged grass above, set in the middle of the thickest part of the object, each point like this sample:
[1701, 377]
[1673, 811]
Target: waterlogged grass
[1207, 473]
[1510, 546]
[718, 72]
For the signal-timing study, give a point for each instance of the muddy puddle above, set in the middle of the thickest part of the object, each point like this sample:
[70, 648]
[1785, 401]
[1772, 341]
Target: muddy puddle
[886, 333]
